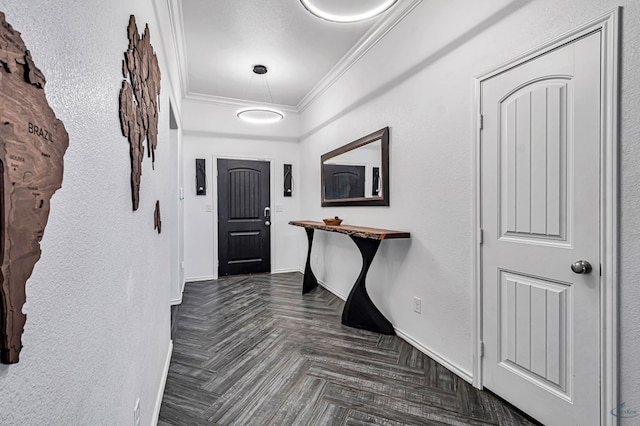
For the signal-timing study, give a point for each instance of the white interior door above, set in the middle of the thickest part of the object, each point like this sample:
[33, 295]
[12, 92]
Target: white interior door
[540, 183]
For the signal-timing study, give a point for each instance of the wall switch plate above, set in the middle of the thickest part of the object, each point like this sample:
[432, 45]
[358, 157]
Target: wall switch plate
[209, 208]
[136, 413]
[417, 305]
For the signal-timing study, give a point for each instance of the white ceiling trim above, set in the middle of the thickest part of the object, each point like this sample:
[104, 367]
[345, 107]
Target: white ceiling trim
[221, 100]
[239, 136]
[172, 91]
[370, 39]
[179, 41]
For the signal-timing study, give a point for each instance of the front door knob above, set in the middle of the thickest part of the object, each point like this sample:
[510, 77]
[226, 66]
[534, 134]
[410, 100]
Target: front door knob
[581, 267]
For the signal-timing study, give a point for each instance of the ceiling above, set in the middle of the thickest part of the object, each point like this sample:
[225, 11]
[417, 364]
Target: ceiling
[224, 39]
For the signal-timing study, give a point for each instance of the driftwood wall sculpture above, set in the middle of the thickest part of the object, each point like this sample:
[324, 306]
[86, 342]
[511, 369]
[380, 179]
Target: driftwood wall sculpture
[157, 223]
[32, 146]
[139, 101]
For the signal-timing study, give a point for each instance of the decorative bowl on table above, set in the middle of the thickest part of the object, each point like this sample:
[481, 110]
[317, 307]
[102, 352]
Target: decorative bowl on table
[332, 221]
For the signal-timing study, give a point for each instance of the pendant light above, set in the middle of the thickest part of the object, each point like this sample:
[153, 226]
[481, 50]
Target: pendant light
[260, 114]
[358, 14]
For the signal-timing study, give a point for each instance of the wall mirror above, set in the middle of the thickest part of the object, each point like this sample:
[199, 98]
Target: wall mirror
[357, 174]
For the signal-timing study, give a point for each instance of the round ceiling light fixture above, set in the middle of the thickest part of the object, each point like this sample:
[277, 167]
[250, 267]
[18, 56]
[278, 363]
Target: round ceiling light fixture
[347, 11]
[260, 115]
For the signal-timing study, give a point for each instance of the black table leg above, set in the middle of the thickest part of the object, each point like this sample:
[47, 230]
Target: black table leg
[359, 311]
[309, 282]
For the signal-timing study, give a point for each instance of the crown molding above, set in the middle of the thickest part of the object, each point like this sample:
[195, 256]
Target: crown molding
[239, 136]
[173, 94]
[179, 41]
[370, 39]
[221, 100]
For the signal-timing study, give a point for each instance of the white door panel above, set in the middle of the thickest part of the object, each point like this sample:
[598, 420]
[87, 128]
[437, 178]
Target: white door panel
[540, 158]
[533, 330]
[533, 187]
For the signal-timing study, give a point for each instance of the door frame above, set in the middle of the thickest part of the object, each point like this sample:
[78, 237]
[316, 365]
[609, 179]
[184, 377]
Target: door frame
[214, 202]
[609, 26]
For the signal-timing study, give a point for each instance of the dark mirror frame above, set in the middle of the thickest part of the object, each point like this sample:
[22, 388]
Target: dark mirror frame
[383, 136]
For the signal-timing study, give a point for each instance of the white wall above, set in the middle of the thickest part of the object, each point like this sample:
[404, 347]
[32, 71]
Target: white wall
[200, 231]
[97, 331]
[423, 88]
[173, 214]
[174, 223]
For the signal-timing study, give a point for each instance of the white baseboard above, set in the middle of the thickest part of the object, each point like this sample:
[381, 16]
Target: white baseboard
[333, 290]
[163, 382]
[285, 270]
[204, 278]
[464, 375]
[178, 301]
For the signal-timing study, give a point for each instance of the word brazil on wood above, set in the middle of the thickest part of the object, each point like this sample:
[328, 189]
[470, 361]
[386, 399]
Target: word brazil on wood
[44, 134]
[32, 146]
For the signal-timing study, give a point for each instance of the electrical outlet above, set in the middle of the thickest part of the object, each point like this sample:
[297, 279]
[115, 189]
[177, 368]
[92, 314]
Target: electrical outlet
[209, 208]
[417, 305]
[136, 413]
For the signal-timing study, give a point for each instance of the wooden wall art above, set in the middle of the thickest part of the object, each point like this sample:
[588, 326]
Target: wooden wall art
[32, 146]
[139, 102]
[157, 223]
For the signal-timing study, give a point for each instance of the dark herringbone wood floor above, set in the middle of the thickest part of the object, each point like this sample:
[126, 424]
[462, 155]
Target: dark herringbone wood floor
[251, 350]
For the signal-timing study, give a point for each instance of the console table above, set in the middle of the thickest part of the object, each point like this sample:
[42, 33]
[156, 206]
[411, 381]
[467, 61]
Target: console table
[359, 311]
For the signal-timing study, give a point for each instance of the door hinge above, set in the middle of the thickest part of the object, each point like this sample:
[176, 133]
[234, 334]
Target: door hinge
[481, 121]
[480, 236]
[481, 349]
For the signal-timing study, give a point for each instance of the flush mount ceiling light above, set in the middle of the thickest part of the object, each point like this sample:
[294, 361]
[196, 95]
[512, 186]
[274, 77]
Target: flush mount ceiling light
[346, 11]
[260, 115]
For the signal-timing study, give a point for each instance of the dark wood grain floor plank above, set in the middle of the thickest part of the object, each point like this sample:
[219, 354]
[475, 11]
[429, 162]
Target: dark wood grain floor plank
[296, 409]
[252, 350]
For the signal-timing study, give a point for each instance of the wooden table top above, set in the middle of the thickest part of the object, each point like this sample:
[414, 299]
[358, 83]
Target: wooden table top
[356, 231]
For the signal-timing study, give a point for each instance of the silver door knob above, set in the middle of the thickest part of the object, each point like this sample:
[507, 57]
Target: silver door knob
[267, 223]
[581, 267]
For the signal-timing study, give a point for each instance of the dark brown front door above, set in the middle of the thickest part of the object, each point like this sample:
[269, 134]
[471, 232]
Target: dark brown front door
[244, 237]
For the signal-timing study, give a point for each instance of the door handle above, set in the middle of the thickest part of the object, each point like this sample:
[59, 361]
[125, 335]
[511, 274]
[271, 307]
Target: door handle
[581, 267]
[267, 215]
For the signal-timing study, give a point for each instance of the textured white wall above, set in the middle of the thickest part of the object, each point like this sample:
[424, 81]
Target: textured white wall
[173, 219]
[419, 81]
[97, 331]
[173, 214]
[200, 238]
